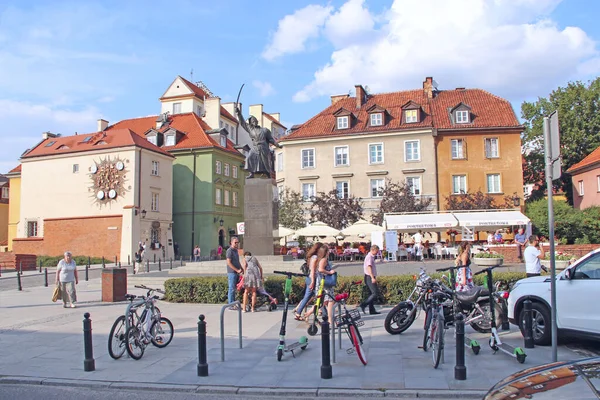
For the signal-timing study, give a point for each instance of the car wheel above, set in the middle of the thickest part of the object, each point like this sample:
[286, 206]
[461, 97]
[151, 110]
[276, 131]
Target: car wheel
[542, 331]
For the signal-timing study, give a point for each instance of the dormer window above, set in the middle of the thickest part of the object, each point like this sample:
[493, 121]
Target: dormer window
[152, 139]
[377, 119]
[223, 141]
[411, 116]
[176, 108]
[461, 116]
[343, 122]
[170, 140]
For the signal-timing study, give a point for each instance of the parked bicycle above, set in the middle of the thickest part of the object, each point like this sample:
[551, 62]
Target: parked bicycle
[350, 320]
[436, 324]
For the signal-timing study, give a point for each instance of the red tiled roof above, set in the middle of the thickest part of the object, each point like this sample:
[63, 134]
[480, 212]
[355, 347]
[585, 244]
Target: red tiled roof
[198, 91]
[15, 169]
[591, 159]
[272, 119]
[116, 138]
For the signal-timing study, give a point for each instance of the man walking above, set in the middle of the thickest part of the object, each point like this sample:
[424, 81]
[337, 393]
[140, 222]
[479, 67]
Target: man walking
[520, 241]
[197, 253]
[370, 280]
[533, 254]
[234, 269]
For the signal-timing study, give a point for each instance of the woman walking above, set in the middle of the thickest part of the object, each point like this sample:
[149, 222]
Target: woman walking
[464, 276]
[253, 278]
[325, 268]
[66, 274]
[311, 261]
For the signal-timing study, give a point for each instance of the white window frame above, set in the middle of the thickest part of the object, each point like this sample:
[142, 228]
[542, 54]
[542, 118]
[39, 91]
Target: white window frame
[376, 119]
[580, 186]
[335, 156]
[411, 116]
[313, 191]
[223, 141]
[199, 110]
[218, 199]
[75, 168]
[235, 172]
[177, 108]
[153, 139]
[598, 179]
[343, 122]
[234, 199]
[460, 178]
[154, 202]
[218, 167]
[491, 140]
[371, 161]
[493, 190]
[418, 142]
[374, 186]
[226, 169]
[280, 161]
[5, 192]
[312, 158]
[460, 149]
[154, 168]
[36, 229]
[461, 116]
[345, 189]
[225, 197]
[418, 191]
[170, 140]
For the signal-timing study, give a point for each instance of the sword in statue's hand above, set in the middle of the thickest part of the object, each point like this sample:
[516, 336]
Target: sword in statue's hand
[238, 111]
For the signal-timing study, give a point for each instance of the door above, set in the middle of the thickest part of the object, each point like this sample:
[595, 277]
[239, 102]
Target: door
[222, 238]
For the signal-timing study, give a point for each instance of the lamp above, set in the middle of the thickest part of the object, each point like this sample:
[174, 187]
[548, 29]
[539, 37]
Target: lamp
[143, 213]
[516, 200]
[220, 221]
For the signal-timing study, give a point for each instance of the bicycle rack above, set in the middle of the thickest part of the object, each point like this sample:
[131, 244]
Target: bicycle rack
[239, 309]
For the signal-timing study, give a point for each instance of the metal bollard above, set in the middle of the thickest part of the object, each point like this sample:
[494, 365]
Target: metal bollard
[128, 260]
[20, 267]
[87, 277]
[528, 334]
[181, 261]
[40, 266]
[326, 370]
[159, 268]
[202, 364]
[171, 263]
[154, 257]
[116, 261]
[46, 277]
[88, 362]
[89, 261]
[147, 265]
[19, 286]
[460, 370]
[103, 264]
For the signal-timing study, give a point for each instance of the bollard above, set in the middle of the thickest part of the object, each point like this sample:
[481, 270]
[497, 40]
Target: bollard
[119, 264]
[528, 316]
[0, 270]
[159, 268]
[40, 266]
[155, 257]
[116, 261]
[46, 277]
[88, 363]
[460, 370]
[89, 261]
[147, 265]
[20, 267]
[128, 260]
[19, 282]
[103, 264]
[171, 263]
[326, 371]
[87, 268]
[202, 365]
[181, 261]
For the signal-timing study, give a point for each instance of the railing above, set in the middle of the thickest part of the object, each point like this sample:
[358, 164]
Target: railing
[239, 309]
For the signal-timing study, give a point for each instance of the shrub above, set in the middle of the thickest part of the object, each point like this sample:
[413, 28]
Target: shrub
[485, 254]
[52, 261]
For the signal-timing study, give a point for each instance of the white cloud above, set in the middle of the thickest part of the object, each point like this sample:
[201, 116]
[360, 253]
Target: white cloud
[508, 47]
[293, 31]
[264, 88]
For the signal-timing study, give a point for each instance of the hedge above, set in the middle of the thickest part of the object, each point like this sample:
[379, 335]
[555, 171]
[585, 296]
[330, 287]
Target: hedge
[52, 261]
[213, 290]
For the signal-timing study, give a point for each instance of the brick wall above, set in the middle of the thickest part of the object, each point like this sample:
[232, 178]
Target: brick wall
[10, 260]
[89, 236]
[578, 250]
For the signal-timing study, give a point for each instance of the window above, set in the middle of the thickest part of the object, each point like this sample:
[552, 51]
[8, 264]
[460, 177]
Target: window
[154, 171]
[308, 191]
[457, 149]
[376, 153]
[223, 141]
[342, 122]
[343, 189]
[376, 186]
[75, 168]
[235, 199]
[50, 143]
[491, 148]
[199, 110]
[32, 228]
[341, 155]
[218, 196]
[462, 117]
[493, 183]
[154, 205]
[308, 158]
[87, 139]
[589, 269]
[411, 116]
[279, 162]
[152, 139]
[154, 235]
[176, 108]
[218, 167]
[459, 184]
[235, 171]
[5, 192]
[411, 151]
[414, 183]
[226, 197]
[580, 188]
[170, 141]
[226, 170]
[598, 178]
[376, 119]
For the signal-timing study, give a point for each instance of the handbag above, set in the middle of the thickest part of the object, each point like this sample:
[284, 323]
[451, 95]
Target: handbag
[57, 293]
[331, 280]
[240, 284]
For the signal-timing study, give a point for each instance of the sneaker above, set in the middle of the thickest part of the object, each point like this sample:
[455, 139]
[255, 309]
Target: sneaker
[65, 306]
[72, 305]
[233, 308]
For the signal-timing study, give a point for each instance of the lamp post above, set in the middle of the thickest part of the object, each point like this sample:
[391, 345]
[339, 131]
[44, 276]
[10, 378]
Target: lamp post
[143, 213]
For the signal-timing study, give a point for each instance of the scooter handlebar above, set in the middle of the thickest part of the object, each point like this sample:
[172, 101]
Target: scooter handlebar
[288, 273]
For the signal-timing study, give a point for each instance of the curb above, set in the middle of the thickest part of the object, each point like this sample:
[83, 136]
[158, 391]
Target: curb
[247, 391]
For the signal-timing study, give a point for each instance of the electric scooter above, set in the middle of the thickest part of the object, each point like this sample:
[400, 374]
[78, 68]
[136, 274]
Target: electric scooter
[495, 342]
[303, 342]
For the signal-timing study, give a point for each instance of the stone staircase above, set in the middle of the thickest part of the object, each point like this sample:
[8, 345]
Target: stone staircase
[218, 267]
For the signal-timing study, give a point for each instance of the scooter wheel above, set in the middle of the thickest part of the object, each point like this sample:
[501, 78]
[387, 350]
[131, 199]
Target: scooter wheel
[279, 354]
[303, 347]
[272, 307]
[476, 349]
[312, 330]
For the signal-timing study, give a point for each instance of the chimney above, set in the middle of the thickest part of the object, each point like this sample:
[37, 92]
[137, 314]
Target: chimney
[361, 96]
[48, 135]
[102, 125]
[212, 107]
[256, 110]
[428, 87]
[337, 97]
[276, 116]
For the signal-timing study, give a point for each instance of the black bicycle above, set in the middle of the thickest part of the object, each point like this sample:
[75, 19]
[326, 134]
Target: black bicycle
[434, 335]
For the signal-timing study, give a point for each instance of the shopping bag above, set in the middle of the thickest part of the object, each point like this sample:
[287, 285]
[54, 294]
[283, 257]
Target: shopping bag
[240, 284]
[57, 293]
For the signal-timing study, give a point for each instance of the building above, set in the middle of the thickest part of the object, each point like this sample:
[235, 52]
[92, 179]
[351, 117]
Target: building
[98, 194]
[14, 203]
[4, 212]
[586, 181]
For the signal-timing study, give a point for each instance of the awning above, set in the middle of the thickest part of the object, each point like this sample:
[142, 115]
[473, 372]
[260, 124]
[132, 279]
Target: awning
[492, 219]
[425, 221]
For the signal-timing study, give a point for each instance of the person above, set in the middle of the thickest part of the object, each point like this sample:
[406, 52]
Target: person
[520, 241]
[138, 261]
[234, 269]
[253, 278]
[370, 281]
[311, 260]
[532, 255]
[464, 275]
[66, 274]
[219, 251]
[325, 268]
[490, 238]
[417, 237]
[196, 253]
[498, 236]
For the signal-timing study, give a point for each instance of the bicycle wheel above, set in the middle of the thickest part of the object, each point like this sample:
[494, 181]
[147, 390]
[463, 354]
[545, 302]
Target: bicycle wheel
[354, 337]
[135, 343]
[437, 345]
[116, 338]
[161, 332]
[427, 332]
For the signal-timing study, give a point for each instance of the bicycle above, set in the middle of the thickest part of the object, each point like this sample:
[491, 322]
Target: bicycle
[350, 321]
[436, 325]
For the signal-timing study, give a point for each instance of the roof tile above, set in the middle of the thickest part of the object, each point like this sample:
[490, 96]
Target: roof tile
[591, 159]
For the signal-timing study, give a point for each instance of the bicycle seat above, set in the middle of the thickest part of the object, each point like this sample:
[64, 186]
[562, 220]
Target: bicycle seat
[130, 297]
[341, 296]
[472, 295]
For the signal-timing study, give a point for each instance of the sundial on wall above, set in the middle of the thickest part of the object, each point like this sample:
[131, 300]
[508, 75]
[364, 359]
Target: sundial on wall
[108, 180]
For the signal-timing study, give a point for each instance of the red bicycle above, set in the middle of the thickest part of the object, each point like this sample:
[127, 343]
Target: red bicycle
[350, 320]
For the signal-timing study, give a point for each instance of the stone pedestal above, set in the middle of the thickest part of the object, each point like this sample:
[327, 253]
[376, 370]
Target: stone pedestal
[261, 215]
[114, 284]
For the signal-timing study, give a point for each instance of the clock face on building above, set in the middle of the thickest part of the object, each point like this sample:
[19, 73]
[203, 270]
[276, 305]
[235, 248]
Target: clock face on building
[108, 180]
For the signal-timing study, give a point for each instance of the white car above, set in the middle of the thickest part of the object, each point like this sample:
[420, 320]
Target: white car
[577, 300]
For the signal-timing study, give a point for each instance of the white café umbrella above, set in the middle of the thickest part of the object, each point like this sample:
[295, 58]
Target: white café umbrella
[282, 231]
[361, 227]
[318, 229]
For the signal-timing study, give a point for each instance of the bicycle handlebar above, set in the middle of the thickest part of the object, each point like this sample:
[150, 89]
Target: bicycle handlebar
[447, 269]
[149, 289]
[290, 274]
[483, 271]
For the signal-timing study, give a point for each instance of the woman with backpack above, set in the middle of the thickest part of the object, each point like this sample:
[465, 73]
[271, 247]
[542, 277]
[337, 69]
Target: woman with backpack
[310, 268]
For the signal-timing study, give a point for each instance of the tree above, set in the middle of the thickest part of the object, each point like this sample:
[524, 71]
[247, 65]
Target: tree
[334, 211]
[568, 222]
[477, 201]
[578, 108]
[398, 197]
[291, 210]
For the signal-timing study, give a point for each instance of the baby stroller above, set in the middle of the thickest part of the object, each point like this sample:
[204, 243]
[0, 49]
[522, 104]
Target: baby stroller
[264, 299]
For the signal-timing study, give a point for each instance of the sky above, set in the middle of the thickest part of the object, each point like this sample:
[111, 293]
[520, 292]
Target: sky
[65, 64]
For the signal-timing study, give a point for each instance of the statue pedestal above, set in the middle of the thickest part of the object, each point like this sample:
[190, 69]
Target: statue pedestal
[261, 216]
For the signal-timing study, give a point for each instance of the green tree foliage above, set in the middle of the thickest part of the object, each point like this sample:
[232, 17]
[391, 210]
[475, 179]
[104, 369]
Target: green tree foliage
[578, 107]
[477, 201]
[334, 211]
[398, 197]
[291, 210]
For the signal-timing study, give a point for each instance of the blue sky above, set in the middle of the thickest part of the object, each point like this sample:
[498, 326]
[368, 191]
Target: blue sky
[65, 64]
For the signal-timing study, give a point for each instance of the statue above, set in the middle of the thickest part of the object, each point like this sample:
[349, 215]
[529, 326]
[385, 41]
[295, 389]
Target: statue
[259, 159]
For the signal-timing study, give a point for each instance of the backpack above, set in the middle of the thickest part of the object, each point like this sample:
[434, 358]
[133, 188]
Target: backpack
[304, 269]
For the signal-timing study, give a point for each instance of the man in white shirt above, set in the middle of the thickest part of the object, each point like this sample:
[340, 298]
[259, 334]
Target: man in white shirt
[532, 255]
[417, 237]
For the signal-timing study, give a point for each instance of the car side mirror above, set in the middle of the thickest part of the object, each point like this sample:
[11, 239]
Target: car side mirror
[569, 274]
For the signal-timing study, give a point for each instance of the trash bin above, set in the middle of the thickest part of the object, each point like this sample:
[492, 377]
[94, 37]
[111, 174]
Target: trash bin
[114, 284]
